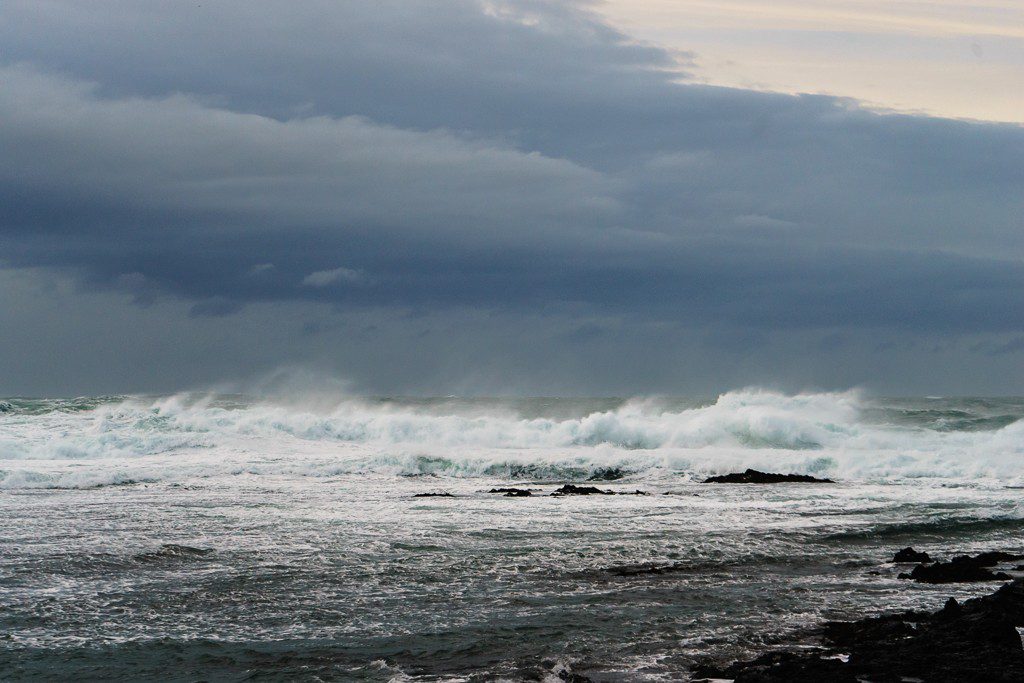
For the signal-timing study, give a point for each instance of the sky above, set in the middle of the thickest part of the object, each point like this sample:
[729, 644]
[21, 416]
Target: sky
[509, 197]
[954, 58]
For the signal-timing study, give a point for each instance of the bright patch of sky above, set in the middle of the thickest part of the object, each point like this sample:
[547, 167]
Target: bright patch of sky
[941, 57]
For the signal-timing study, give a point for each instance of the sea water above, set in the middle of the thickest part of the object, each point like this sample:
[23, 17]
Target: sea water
[215, 537]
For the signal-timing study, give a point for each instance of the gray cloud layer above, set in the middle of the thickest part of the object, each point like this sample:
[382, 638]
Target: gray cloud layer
[503, 158]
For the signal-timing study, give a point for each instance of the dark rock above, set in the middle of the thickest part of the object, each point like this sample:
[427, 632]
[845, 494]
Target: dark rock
[573, 490]
[512, 492]
[172, 551]
[961, 569]
[958, 646]
[607, 474]
[757, 477]
[954, 572]
[6, 407]
[911, 555]
[950, 610]
[973, 641]
[844, 634]
[1008, 601]
[778, 667]
[433, 495]
[646, 569]
[638, 492]
[989, 559]
[564, 673]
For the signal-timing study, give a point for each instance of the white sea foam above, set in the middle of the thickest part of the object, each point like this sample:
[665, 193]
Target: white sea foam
[180, 437]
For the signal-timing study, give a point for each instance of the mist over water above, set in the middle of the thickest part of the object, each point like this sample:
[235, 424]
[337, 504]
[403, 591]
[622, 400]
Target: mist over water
[225, 536]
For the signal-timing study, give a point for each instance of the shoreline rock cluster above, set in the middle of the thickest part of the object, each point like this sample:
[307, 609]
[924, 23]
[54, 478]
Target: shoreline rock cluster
[961, 569]
[974, 641]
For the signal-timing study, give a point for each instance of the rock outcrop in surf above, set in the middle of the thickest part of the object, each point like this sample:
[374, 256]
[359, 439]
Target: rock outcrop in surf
[910, 555]
[511, 492]
[962, 569]
[757, 477]
[573, 490]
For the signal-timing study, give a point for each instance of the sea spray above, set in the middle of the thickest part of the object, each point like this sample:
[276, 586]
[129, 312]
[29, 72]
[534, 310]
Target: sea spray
[838, 434]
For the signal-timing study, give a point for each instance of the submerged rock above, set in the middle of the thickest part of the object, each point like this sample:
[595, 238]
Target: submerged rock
[169, 551]
[910, 555]
[758, 477]
[962, 569]
[433, 495]
[649, 569]
[6, 407]
[607, 474]
[573, 490]
[974, 641]
[562, 672]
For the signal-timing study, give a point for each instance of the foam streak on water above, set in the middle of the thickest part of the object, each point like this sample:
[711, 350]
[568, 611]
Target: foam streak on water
[223, 536]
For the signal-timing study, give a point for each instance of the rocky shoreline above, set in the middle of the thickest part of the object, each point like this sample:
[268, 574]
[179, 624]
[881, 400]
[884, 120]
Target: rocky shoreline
[961, 569]
[974, 641]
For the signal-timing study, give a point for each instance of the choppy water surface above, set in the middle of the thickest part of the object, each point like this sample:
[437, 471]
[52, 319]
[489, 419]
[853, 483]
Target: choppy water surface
[225, 538]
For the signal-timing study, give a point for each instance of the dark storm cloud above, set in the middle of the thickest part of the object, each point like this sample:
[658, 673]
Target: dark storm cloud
[495, 156]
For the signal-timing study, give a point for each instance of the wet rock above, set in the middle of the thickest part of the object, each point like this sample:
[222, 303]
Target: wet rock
[433, 495]
[973, 641]
[171, 551]
[6, 407]
[573, 490]
[951, 609]
[638, 492]
[646, 569]
[845, 634]
[961, 569]
[607, 474]
[954, 645]
[777, 667]
[564, 673]
[512, 492]
[989, 559]
[1007, 601]
[910, 555]
[758, 477]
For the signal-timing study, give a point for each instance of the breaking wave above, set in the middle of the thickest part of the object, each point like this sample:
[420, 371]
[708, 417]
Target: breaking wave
[132, 439]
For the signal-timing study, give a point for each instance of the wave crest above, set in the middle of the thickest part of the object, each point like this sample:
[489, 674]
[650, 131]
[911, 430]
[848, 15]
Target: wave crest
[814, 433]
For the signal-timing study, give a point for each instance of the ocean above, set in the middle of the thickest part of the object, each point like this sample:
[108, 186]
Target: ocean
[225, 537]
